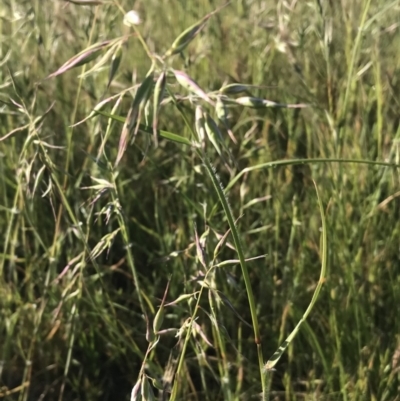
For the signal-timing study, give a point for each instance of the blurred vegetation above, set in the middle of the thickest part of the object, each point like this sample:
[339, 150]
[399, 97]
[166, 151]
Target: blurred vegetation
[84, 269]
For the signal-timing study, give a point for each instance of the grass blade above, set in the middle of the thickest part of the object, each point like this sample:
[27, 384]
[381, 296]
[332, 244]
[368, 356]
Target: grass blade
[279, 352]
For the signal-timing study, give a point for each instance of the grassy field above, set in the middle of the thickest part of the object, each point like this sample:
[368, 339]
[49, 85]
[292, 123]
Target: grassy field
[167, 259]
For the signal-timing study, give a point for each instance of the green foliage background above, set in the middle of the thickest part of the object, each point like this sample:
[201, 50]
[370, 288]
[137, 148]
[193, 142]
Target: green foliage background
[73, 329]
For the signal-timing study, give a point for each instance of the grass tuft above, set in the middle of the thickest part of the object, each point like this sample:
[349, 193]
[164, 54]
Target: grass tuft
[126, 272]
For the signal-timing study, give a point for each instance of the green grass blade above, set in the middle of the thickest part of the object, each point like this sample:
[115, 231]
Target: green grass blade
[291, 162]
[279, 352]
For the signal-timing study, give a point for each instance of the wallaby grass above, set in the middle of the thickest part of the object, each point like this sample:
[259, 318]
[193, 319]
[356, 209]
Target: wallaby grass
[89, 248]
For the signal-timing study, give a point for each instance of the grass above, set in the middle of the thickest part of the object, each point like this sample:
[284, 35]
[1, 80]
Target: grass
[179, 263]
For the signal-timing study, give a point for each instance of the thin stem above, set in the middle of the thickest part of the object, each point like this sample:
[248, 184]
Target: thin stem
[245, 273]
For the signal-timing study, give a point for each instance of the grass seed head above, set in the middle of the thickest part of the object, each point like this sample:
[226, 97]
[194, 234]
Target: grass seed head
[200, 125]
[233, 89]
[256, 103]
[147, 390]
[136, 394]
[221, 111]
[189, 84]
[158, 319]
[213, 133]
[183, 40]
[186, 37]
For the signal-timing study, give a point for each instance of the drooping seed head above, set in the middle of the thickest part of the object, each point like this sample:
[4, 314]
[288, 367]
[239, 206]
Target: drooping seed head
[158, 319]
[186, 37]
[233, 89]
[147, 391]
[213, 133]
[189, 34]
[256, 103]
[221, 110]
[189, 84]
[136, 394]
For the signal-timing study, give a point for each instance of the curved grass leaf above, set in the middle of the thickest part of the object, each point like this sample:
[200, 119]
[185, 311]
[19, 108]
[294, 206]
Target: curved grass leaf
[290, 162]
[279, 352]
